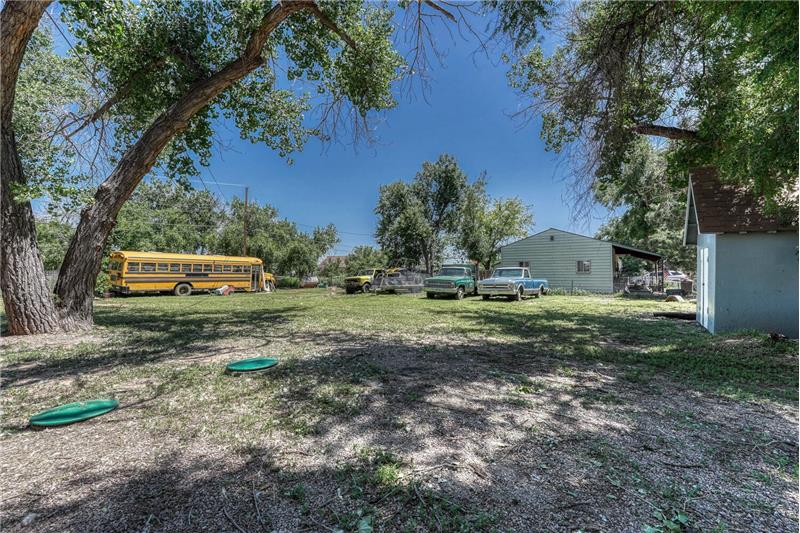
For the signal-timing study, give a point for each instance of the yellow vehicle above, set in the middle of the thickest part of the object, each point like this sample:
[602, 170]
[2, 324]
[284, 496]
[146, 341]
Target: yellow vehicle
[362, 281]
[182, 274]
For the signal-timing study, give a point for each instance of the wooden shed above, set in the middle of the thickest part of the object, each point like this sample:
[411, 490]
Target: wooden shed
[747, 260]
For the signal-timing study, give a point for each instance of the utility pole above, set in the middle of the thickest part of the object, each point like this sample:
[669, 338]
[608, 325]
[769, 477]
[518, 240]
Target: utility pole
[244, 242]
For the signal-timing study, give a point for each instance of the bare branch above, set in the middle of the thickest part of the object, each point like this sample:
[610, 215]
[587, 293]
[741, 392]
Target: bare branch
[440, 9]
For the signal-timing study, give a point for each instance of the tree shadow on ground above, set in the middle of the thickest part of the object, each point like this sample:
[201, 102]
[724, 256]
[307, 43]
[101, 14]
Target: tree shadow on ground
[412, 436]
[546, 429]
[152, 338]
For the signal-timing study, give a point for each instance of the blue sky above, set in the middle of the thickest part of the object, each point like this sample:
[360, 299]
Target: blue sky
[466, 114]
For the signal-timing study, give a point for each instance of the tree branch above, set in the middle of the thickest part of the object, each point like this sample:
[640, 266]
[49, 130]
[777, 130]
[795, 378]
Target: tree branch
[18, 21]
[440, 9]
[668, 132]
[331, 25]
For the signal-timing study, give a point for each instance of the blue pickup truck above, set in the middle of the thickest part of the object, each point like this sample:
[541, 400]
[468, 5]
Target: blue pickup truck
[512, 282]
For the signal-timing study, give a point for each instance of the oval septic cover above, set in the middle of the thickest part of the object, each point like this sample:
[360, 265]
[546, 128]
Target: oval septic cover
[73, 412]
[251, 365]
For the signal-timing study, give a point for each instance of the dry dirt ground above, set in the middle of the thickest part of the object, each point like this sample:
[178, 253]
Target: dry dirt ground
[401, 414]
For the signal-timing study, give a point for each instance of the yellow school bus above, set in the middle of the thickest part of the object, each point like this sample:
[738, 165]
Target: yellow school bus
[182, 274]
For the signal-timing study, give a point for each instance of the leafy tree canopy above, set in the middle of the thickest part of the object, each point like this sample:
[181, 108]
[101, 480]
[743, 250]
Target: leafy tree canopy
[719, 78]
[283, 248]
[165, 216]
[655, 207]
[415, 219]
[147, 55]
[50, 86]
[487, 223]
[364, 257]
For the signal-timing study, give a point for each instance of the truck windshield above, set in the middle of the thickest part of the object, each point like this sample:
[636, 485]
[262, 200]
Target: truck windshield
[507, 273]
[453, 272]
[365, 272]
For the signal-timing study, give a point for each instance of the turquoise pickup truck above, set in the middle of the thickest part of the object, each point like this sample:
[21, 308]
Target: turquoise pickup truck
[513, 283]
[453, 280]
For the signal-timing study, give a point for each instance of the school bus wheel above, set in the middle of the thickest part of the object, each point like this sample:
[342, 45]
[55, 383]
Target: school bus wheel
[182, 289]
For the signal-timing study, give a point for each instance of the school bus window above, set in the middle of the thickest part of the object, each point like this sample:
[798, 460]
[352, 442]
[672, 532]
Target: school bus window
[206, 268]
[237, 268]
[186, 267]
[197, 268]
[163, 267]
[217, 268]
[174, 267]
[113, 265]
[246, 268]
[133, 267]
[148, 267]
[227, 268]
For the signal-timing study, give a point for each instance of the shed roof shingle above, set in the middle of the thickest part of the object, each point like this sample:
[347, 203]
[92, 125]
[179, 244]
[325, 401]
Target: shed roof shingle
[726, 208]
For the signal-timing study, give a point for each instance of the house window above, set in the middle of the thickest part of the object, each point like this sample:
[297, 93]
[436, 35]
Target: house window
[584, 267]
[524, 264]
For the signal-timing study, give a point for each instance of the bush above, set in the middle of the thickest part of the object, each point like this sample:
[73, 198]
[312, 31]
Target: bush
[102, 284]
[288, 282]
[560, 291]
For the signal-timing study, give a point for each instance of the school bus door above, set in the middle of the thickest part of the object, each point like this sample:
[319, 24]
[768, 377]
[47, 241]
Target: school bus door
[256, 281]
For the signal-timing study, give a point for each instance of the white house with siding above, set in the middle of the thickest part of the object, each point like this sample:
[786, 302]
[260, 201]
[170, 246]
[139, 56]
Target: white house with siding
[747, 260]
[570, 261]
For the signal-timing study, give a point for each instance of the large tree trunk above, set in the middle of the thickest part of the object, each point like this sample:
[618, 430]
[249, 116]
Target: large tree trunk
[26, 298]
[75, 285]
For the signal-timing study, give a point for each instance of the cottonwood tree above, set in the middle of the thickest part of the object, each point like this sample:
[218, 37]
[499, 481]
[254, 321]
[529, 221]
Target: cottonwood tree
[487, 223]
[163, 216]
[169, 69]
[415, 219]
[654, 205]
[364, 257]
[719, 79]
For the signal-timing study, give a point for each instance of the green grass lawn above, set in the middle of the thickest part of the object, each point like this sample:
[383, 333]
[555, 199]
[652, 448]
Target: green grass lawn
[403, 413]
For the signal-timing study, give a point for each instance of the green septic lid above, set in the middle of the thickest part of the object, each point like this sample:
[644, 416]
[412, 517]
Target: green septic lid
[73, 412]
[252, 365]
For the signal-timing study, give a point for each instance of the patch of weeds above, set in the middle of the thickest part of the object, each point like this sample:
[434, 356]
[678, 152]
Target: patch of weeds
[434, 512]
[600, 397]
[531, 387]
[763, 477]
[517, 401]
[300, 426]
[668, 522]
[637, 375]
[413, 396]
[297, 493]
[336, 398]
[567, 371]
[387, 475]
